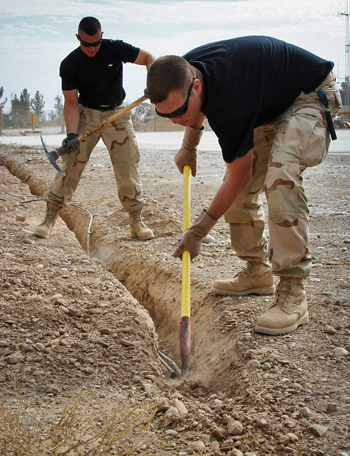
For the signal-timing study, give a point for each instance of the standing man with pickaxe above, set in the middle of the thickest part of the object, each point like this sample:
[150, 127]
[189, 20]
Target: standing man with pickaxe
[92, 85]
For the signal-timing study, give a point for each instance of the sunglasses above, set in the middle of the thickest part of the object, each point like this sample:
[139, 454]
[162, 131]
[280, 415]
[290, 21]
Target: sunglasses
[180, 111]
[86, 44]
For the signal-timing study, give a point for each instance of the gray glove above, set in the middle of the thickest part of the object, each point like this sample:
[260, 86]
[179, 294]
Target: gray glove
[192, 239]
[71, 142]
[187, 155]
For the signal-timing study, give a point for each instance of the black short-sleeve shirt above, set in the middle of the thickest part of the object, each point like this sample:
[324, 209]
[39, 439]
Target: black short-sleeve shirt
[250, 81]
[98, 79]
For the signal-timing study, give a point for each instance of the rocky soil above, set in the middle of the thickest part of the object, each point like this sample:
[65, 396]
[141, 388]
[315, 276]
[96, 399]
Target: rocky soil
[90, 308]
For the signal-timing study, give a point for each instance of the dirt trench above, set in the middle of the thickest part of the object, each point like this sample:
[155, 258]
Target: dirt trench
[155, 282]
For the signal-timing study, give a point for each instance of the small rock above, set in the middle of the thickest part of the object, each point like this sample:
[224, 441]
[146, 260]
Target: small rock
[331, 407]
[318, 430]
[171, 432]
[290, 423]
[15, 358]
[330, 330]
[52, 389]
[305, 412]
[339, 351]
[56, 297]
[63, 309]
[126, 343]
[198, 446]
[254, 364]
[74, 312]
[234, 427]
[292, 437]
[235, 452]
[20, 218]
[219, 433]
[208, 239]
[180, 406]
[86, 291]
[284, 440]
[172, 411]
[27, 348]
[262, 423]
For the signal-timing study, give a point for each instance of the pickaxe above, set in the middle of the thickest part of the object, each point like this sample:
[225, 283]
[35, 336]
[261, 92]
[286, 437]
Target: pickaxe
[54, 154]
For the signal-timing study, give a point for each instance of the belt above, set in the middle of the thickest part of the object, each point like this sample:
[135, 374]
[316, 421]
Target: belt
[330, 78]
[102, 107]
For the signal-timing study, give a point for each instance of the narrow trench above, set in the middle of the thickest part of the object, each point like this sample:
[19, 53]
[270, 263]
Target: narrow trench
[215, 359]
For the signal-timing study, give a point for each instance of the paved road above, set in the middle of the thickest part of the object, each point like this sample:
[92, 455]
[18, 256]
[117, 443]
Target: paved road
[157, 140]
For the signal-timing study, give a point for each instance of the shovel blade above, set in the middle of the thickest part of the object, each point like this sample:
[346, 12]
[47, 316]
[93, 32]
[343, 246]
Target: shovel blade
[185, 344]
[52, 156]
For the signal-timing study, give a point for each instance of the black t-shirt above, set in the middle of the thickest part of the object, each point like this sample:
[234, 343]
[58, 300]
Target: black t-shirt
[99, 79]
[249, 81]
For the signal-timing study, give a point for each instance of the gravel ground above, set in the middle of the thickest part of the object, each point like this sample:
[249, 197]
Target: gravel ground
[88, 307]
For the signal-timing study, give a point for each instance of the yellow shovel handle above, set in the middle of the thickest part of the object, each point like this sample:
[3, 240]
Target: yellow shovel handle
[186, 258]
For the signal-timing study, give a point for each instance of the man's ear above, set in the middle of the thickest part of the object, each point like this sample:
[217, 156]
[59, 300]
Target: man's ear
[197, 86]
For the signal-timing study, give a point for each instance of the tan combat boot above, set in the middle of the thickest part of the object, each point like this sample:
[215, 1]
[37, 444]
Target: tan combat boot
[288, 311]
[44, 229]
[138, 228]
[256, 278]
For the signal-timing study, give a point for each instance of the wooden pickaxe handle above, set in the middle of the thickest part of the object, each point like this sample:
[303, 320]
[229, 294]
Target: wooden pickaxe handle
[62, 149]
[113, 117]
[53, 155]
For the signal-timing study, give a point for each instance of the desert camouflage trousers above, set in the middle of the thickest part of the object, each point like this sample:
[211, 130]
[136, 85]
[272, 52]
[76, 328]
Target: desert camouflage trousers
[283, 149]
[120, 140]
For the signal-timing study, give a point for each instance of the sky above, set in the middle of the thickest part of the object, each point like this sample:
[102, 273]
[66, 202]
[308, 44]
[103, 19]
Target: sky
[36, 36]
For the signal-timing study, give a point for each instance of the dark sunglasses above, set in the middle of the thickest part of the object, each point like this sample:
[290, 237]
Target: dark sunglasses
[86, 44]
[180, 111]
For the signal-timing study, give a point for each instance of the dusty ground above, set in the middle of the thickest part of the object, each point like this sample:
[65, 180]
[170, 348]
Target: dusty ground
[83, 307]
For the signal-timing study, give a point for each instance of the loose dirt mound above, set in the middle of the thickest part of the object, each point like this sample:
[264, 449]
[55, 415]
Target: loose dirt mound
[69, 319]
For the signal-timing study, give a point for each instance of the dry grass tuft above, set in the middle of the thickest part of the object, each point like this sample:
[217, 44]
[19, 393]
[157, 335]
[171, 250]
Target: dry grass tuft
[80, 425]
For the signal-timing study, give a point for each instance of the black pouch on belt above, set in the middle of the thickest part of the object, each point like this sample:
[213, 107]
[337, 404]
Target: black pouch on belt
[328, 114]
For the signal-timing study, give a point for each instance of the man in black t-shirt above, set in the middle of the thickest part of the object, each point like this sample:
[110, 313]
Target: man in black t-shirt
[262, 98]
[92, 85]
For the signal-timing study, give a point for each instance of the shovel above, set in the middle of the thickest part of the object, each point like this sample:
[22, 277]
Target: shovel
[53, 155]
[185, 326]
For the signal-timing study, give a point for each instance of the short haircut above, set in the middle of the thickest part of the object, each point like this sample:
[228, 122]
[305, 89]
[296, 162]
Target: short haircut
[166, 74]
[89, 25]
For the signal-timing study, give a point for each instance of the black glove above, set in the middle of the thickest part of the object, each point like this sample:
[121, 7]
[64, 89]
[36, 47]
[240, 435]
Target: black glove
[71, 143]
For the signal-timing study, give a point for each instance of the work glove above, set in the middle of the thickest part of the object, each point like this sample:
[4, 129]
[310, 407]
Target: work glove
[192, 239]
[71, 143]
[187, 155]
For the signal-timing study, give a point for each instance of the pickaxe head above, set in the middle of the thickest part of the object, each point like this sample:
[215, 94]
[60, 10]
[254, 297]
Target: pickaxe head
[52, 156]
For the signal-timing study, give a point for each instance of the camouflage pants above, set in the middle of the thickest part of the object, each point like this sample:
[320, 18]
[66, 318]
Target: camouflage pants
[283, 149]
[120, 140]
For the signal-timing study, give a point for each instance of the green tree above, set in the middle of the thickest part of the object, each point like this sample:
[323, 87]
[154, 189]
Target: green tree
[58, 106]
[2, 103]
[20, 109]
[37, 104]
